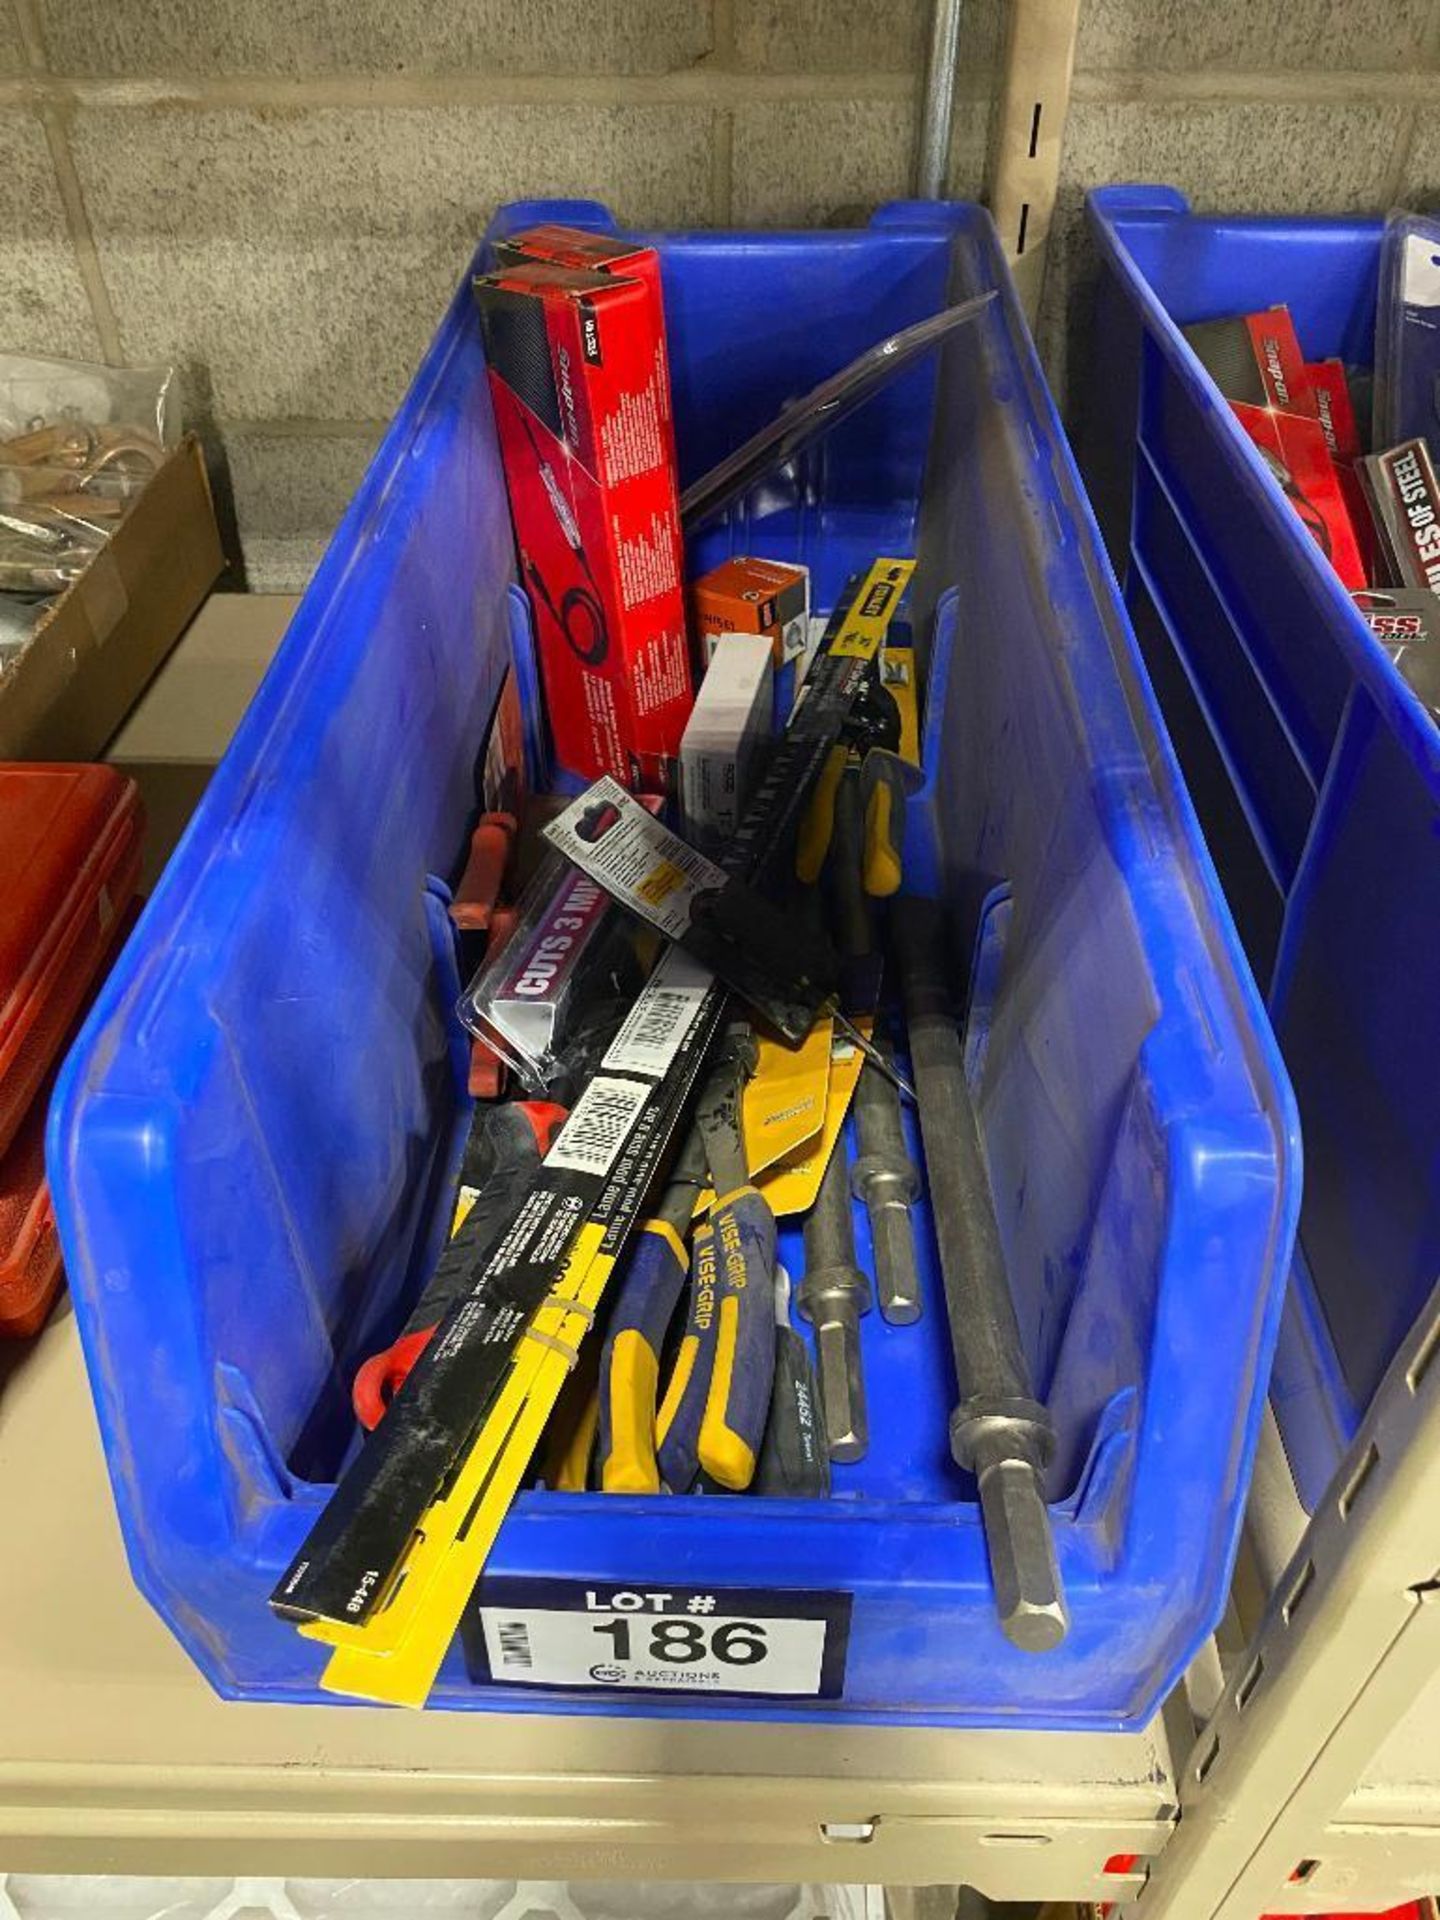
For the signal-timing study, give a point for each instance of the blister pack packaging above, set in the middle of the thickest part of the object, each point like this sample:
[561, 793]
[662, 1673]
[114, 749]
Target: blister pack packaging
[77, 443]
[1407, 332]
[551, 999]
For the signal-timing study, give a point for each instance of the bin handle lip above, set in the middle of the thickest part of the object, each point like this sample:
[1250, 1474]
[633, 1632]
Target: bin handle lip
[1149, 199]
[1151, 203]
[514, 216]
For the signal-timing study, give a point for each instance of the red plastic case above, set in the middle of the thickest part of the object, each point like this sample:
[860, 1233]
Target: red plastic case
[70, 859]
[70, 841]
[30, 1259]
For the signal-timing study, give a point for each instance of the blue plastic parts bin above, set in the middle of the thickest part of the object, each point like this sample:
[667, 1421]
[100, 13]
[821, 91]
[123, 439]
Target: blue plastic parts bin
[1315, 771]
[251, 1143]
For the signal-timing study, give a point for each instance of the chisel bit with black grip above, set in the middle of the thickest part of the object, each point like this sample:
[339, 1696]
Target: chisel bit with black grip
[794, 1463]
[998, 1431]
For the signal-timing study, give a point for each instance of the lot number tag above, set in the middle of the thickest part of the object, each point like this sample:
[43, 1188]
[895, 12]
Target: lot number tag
[717, 1640]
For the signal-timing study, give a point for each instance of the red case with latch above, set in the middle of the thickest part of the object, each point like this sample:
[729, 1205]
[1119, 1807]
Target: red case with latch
[70, 842]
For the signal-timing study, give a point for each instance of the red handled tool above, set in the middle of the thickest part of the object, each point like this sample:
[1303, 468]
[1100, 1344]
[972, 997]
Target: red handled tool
[478, 890]
[488, 1072]
[502, 1158]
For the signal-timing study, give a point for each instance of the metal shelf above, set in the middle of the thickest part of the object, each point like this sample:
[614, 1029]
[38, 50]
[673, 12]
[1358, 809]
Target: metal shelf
[1314, 1786]
[115, 1757]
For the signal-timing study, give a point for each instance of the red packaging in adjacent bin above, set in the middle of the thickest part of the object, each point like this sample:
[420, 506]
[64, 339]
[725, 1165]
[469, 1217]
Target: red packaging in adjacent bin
[579, 381]
[1335, 407]
[70, 853]
[1256, 362]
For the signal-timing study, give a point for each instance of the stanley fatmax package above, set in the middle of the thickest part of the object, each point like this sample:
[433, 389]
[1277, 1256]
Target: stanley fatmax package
[1256, 362]
[582, 407]
[591, 1186]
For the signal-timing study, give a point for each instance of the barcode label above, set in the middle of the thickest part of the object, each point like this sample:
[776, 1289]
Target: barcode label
[691, 862]
[514, 1644]
[656, 1026]
[599, 1125]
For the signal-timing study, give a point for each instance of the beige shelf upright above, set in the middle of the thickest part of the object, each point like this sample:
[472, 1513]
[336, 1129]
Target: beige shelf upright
[1314, 1787]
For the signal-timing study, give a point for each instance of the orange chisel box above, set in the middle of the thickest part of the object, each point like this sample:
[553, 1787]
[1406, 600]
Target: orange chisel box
[70, 853]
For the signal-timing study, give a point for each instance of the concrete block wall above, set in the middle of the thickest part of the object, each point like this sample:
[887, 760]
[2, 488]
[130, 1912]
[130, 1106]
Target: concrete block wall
[1262, 105]
[279, 195]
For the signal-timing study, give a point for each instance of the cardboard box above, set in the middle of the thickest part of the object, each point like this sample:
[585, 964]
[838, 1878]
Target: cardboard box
[731, 721]
[1256, 362]
[99, 642]
[576, 375]
[754, 596]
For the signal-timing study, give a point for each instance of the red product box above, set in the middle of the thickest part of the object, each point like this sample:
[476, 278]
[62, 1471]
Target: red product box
[1256, 362]
[587, 252]
[1293, 447]
[577, 366]
[1279, 363]
[1335, 408]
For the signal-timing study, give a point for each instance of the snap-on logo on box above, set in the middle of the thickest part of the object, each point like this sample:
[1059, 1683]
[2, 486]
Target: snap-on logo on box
[578, 376]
